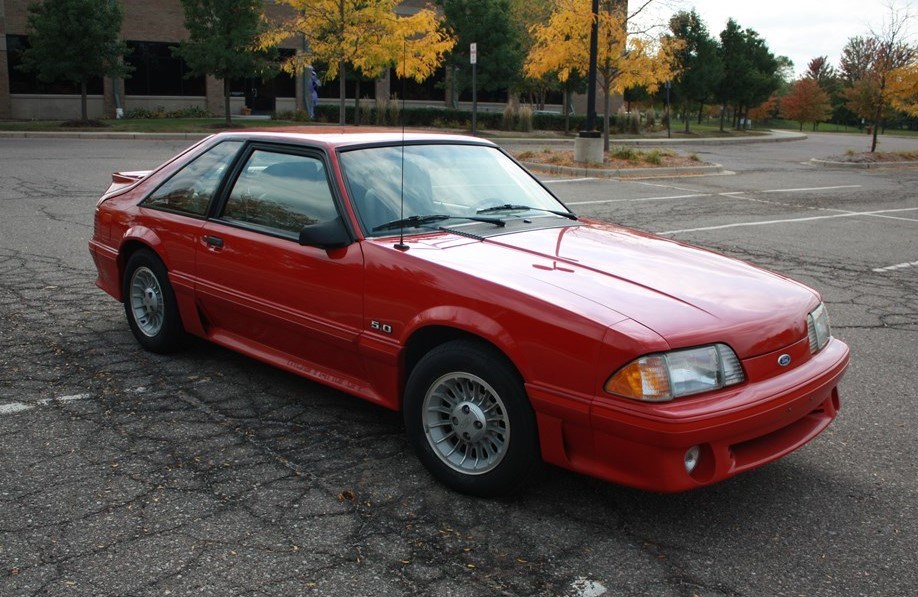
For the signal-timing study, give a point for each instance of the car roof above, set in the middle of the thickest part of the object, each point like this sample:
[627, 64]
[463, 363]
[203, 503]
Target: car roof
[336, 138]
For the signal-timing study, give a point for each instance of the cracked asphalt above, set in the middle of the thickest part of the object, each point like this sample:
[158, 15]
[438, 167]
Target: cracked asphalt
[207, 473]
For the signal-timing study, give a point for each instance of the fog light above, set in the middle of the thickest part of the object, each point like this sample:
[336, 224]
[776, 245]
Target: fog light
[691, 458]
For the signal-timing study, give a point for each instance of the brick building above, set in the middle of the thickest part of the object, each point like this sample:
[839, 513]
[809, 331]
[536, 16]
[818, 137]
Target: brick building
[150, 27]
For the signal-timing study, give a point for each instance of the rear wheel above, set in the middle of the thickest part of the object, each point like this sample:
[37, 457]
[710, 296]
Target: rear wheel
[149, 303]
[469, 420]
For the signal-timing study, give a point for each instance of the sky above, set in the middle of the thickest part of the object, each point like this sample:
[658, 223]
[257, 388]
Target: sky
[798, 29]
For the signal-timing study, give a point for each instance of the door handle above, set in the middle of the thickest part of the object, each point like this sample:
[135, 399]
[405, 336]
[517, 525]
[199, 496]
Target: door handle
[214, 241]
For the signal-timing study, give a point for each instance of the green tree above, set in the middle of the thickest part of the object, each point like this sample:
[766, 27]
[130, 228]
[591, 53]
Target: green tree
[751, 72]
[222, 36]
[827, 76]
[698, 63]
[488, 24]
[75, 41]
[525, 14]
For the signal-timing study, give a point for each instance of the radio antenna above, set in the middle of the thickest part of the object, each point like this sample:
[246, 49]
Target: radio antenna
[401, 246]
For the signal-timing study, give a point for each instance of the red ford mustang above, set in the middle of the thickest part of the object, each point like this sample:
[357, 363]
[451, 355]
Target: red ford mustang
[434, 275]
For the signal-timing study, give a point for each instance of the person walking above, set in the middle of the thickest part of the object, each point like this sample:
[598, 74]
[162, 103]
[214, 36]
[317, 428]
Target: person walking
[313, 85]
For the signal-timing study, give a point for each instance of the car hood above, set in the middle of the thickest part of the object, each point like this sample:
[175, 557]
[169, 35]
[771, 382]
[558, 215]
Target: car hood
[687, 295]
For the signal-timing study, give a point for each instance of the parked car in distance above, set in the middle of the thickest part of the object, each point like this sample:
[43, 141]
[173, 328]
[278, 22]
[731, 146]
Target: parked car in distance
[434, 275]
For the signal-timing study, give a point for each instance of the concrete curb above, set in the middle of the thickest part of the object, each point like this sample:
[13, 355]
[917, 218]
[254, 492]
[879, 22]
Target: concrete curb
[772, 136]
[861, 165]
[102, 135]
[650, 172]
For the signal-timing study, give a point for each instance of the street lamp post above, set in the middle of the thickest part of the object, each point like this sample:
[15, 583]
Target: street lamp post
[591, 77]
[669, 117]
[588, 145]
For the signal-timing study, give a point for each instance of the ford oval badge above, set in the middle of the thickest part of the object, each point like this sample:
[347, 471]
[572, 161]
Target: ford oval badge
[784, 360]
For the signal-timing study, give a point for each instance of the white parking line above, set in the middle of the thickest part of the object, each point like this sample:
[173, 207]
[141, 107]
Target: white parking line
[846, 214]
[700, 195]
[890, 268]
[562, 180]
[665, 198]
[11, 408]
[803, 190]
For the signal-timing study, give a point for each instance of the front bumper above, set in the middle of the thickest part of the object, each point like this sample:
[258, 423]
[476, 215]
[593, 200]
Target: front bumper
[643, 445]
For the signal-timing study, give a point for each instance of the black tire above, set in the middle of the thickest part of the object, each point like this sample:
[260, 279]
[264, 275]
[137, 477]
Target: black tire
[469, 420]
[149, 304]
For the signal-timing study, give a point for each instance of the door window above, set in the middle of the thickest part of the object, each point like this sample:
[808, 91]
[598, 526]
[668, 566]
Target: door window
[280, 192]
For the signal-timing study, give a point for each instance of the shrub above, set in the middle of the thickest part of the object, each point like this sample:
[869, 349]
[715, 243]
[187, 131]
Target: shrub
[508, 118]
[634, 123]
[524, 122]
[160, 112]
[189, 112]
[624, 153]
[394, 111]
[653, 157]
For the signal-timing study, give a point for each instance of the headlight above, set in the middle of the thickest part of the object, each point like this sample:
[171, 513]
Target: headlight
[664, 376]
[817, 328]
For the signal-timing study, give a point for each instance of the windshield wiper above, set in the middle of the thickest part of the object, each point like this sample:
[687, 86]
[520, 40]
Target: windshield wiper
[418, 221]
[515, 207]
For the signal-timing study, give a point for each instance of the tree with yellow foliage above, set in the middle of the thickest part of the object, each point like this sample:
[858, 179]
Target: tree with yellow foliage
[903, 88]
[562, 46]
[367, 34]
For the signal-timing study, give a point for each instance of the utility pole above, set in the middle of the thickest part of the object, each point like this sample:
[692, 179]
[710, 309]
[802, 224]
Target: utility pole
[473, 58]
[588, 144]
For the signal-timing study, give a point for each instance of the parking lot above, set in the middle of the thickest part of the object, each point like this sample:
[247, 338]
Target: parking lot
[128, 473]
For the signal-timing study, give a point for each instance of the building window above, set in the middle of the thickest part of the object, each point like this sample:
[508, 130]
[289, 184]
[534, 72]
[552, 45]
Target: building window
[28, 82]
[158, 72]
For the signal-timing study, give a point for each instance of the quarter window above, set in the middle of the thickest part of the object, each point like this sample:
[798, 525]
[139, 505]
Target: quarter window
[280, 192]
[190, 190]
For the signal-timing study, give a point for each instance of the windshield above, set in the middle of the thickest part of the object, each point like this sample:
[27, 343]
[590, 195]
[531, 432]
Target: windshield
[444, 185]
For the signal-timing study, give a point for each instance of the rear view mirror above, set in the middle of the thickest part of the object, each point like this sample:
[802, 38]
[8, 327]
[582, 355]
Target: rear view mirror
[331, 234]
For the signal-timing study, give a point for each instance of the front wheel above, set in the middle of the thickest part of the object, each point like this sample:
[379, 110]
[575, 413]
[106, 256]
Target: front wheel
[469, 420]
[149, 303]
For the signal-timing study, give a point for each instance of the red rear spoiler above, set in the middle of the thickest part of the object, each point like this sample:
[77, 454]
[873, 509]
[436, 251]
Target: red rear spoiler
[122, 180]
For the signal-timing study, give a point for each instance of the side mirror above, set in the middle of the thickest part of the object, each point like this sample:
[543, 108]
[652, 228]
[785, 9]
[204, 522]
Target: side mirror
[331, 234]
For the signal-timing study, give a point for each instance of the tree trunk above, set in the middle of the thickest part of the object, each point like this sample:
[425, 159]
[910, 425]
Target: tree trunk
[723, 114]
[341, 90]
[83, 110]
[700, 112]
[606, 105]
[686, 115]
[226, 102]
[567, 115]
[876, 128]
[357, 102]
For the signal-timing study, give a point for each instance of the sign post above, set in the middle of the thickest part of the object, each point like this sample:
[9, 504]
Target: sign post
[473, 58]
